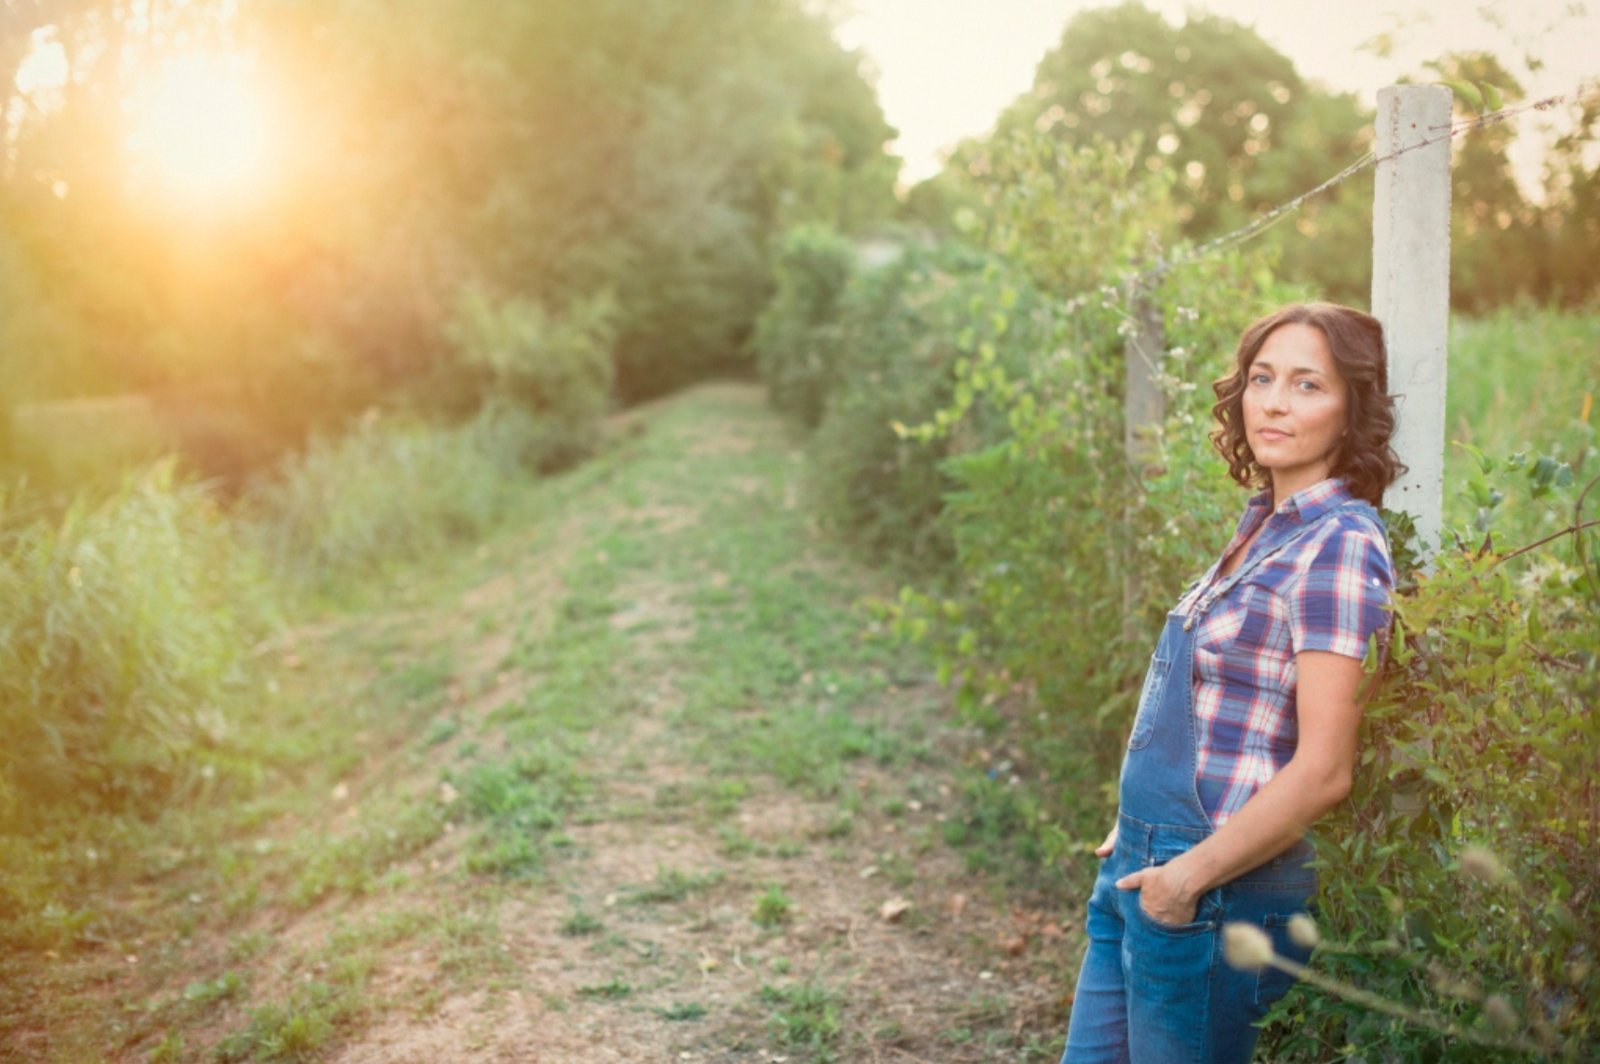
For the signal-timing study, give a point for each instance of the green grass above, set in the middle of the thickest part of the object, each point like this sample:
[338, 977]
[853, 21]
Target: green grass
[613, 990]
[683, 1011]
[350, 507]
[1525, 380]
[806, 1018]
[672, 885]
[382, 776]
[580, 924]
[773, 908]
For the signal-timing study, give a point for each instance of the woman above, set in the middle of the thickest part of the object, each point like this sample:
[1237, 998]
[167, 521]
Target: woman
[1246, 727]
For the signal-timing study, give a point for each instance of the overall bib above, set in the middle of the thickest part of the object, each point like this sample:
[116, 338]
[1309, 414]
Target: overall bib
[1154, 993]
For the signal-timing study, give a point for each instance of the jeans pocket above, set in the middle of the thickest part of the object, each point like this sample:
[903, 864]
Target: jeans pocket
[1144, 722]
[1206, 915]
[1273, 982]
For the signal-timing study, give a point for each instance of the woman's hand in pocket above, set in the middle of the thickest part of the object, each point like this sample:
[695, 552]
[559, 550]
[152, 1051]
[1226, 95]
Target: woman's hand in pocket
[1164, 893]
[1105, 848]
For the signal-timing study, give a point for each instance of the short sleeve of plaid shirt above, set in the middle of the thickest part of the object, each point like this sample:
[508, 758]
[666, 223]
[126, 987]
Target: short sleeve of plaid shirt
[1326, 591]
[1338, 604]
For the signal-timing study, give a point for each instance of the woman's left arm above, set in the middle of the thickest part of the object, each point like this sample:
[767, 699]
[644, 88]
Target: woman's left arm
[1316, 779]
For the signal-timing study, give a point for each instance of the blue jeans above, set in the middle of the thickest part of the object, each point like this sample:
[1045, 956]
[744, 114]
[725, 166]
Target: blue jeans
[1153, 993]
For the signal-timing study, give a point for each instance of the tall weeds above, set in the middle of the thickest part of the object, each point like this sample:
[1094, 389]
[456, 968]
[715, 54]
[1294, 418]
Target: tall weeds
[121, 633]
[352, 504]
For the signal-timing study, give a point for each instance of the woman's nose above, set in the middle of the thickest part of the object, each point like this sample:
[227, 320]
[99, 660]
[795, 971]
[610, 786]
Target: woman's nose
[1276, 401]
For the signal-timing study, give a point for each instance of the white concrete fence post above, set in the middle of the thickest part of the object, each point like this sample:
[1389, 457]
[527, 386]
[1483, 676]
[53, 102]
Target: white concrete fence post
[1144, 409]
[1411, 288]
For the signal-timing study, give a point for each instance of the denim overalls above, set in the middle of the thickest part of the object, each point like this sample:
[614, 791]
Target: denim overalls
[1153, 993]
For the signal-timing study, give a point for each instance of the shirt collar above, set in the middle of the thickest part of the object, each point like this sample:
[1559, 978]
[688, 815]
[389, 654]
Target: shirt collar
[1307, 504]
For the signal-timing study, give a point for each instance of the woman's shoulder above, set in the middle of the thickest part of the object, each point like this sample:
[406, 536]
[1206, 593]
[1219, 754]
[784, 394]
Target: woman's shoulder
[1360, 518]
[1352, 537]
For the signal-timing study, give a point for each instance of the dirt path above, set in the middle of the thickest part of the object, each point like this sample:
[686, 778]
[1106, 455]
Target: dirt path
[635, 789]
[701, 913]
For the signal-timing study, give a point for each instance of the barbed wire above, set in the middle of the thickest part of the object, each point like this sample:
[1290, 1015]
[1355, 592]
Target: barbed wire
[1261, 223]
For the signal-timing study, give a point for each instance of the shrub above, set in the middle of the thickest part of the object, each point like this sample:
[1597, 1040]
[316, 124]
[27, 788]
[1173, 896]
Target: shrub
[349, 505]
[1459, 880]
[909, 331]
[556, 367]
[123, 629]
[797, 342]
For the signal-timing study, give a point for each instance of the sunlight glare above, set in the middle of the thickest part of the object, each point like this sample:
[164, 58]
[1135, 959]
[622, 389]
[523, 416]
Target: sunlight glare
[202, 128]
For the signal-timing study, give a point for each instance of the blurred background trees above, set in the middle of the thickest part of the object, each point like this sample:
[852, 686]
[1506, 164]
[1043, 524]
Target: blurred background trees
[650, 154]
[1226, 119]
[543, 154]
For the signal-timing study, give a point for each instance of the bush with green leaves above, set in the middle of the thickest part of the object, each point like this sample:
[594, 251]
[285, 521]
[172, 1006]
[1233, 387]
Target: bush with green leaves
[1459, 880]
[123, 635]
[556, 367]
[909, 334]
[797, 337]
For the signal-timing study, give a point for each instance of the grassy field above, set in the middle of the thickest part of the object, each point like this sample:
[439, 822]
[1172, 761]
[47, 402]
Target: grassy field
[622, 782]
[1523, 380]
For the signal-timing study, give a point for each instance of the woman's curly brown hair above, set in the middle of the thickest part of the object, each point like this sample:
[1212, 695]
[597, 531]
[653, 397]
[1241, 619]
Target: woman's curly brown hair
[1366, 462]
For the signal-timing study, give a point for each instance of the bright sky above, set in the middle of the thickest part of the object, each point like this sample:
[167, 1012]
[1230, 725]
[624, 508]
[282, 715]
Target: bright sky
[948, 67]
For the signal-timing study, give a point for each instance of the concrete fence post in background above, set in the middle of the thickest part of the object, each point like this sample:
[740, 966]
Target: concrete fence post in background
[1411, 288]
[1144, 408]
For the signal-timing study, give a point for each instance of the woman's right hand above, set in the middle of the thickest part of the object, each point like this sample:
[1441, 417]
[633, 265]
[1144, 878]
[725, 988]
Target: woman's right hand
[1105, 848]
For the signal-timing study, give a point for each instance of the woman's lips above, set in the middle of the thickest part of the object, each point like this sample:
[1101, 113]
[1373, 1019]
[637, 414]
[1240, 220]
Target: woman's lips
[1273, 434]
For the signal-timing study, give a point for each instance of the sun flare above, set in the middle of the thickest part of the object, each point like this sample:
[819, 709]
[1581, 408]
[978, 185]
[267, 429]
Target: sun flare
[202, 128]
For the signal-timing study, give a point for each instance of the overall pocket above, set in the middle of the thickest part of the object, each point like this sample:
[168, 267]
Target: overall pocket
[1272, 983]
[1144, 723]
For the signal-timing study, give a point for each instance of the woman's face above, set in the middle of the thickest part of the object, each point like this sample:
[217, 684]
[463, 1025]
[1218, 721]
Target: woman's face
[1295, 408]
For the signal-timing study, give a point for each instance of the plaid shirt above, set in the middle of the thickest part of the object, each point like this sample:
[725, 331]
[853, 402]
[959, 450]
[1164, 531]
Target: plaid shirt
[1326, 592]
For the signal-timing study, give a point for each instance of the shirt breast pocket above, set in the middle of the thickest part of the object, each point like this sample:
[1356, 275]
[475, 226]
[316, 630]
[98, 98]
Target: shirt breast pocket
[1264, 618]
[1259, 655]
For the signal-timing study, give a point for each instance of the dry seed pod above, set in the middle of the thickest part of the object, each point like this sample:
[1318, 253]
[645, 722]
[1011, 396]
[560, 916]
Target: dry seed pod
[1246, 946]
[1303, 931]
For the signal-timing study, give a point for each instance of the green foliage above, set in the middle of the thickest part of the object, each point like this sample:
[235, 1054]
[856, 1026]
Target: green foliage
[558, 368]
[351, 504]
[1458, 879]
[1522, 380]
[910, 331]
[1207, 102]
[773, 908]
[797, 336]
[1048, 524]
[806, 1018]
[123, 629]
[628, 146]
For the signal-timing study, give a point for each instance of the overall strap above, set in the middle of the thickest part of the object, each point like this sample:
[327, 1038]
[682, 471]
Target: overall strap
[1249, 565]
